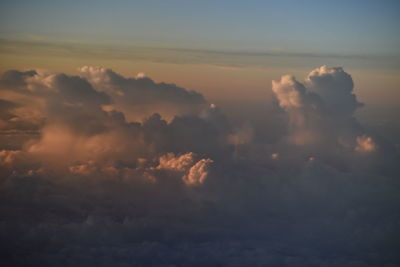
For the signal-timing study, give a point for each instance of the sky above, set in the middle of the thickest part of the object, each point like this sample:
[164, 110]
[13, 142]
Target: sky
[180, 41]
[341, 26]
[199, 133]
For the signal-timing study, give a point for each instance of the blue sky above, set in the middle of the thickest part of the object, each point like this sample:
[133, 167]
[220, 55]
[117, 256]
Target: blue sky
[340, 27]
[215, 47]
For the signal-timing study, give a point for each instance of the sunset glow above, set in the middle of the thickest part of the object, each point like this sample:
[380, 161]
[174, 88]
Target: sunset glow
[199, 133]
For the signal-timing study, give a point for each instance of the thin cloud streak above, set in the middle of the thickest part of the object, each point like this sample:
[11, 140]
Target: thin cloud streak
[180, 55]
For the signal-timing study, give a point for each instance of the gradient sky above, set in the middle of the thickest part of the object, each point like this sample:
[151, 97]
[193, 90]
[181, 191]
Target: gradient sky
[341, 27]
[215, 47]
[199, 133]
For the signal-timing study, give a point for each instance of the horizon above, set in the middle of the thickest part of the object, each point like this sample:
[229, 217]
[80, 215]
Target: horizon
[199, 133]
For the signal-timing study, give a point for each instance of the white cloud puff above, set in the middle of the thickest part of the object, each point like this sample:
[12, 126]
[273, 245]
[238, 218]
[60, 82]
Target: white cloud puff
[193, 172]
[289, 92]
[365, 144]
[198, 173]
[176, 163]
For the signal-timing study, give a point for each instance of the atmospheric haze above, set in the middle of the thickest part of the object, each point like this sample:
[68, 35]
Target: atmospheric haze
[100, 169]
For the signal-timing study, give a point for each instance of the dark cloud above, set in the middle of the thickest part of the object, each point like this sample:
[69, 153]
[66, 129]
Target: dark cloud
[183, 186]
[6, 108]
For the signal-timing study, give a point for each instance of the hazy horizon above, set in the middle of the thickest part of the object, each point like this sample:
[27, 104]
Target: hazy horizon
[199, 133]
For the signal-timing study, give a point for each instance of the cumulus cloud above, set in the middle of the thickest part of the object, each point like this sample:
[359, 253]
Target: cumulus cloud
[198, 172]
[121, 171]
[289, 92]
[193, 172]
[335, 87]
[365, 144]
[78, 124]
[321, 111]
[140, 97]
[181, 163]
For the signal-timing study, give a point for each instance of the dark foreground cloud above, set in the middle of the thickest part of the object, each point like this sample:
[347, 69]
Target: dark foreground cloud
[117, 171]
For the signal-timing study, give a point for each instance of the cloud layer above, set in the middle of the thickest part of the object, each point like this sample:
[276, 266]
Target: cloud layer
[101, 169]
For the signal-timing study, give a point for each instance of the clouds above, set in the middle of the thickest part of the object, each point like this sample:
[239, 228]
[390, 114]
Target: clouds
[236, 58]
[85, 118]
[322, 109]
[289, 92]
[56, 98]
[194, 173]
[141, 97]
[335, 87]
[125, 171]
[365, 144]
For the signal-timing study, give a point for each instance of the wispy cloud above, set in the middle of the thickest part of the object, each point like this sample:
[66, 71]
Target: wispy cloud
[182, 55]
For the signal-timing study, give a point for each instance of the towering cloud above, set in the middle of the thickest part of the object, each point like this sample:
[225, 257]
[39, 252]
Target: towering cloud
[321, 111]
[335, 87]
